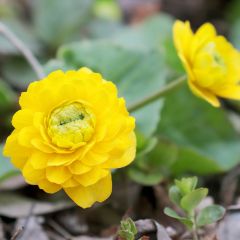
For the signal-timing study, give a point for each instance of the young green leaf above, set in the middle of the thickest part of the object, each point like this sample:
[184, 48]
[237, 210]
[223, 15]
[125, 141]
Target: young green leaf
[210, 214]
[190, 201]
[127, 229]
[186, 185]
[171, 213]
[132, 226]
[175, 195]
[126, 235]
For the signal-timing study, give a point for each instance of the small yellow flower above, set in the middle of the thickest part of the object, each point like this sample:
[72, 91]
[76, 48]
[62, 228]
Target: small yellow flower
[72, 129]
[211, 62]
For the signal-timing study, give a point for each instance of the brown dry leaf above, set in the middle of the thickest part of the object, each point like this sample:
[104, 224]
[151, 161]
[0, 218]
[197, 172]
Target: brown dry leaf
[16, 206]
[32, 229]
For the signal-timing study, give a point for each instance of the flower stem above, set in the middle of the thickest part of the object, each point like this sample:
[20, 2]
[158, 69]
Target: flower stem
[34, 63]
[160, 93]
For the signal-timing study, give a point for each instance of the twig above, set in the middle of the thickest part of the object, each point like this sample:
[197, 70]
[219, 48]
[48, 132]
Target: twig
[229, 186]
[158, 94]
[60, 230]
[36, 66]
[17, 233]
[20, 231]
[28, 218]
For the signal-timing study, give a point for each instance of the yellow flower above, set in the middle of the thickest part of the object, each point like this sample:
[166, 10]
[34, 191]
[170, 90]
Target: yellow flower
[72, 129]
[211, 62]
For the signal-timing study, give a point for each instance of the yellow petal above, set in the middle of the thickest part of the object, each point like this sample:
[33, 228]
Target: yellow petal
[23, 118]
[93, 159]
[61, 159]
[49, 187]
[203, 35]
[182, 35]
[91, 177]
[125, 159]
[58, 174]
[86, 196]
[85, 70]
[42, 146]
[19, 162]
[26, 135]
[77, 167]
[232, 92]
[31, 175]
[38, 160]
[17, 153]
[206, 32]
[187, 66]
[211, 98]
[70, 183]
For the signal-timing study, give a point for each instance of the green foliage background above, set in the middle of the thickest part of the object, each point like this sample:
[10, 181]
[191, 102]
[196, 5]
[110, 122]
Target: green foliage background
[177, 135]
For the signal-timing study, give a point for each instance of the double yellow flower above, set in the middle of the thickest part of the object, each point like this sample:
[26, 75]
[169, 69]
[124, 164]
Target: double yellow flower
[72, 129]
[211, 62]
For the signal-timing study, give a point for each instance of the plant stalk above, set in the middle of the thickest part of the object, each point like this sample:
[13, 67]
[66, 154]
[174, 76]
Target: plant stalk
[160, 93]
[195, 235]
[194, 229]
[34, 63]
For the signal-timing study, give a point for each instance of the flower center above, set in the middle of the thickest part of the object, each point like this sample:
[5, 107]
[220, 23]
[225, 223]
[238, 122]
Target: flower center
[217, 59]
[71, 125]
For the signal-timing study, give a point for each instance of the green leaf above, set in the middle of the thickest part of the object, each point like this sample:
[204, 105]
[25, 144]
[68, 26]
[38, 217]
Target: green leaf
[126, 235]
[234, 33]
[22, 74]
[148, 36]
[55, 64]
[107, 9]
[172, 59]
[144, 145]
[127, 229]
[190, 201]
[201, 131]
[175, 195]
[209, 215]
[8, 97]
[6, 169]
[102, 28]
[171, 213]
[147, 178]
[150, 167]
[191, 161]
[186, 185]
[57, 22]
[232, 13]
[132, 226]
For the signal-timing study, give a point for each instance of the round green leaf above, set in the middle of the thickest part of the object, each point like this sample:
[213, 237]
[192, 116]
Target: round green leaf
[210, 214]
[207, 140]
[175, 195]
[171, 213]
[190, 201]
